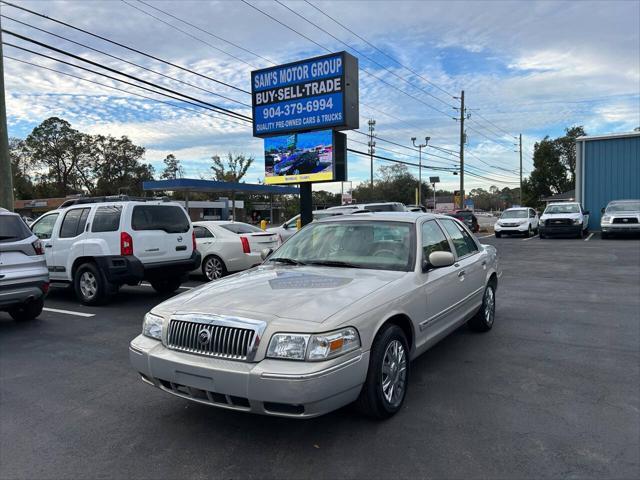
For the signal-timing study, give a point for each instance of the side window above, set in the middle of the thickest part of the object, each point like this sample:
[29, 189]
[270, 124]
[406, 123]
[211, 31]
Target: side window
[202, 232]
[43, 228]
[433, 239]
[74, 222]
[532, 214]
[462, 241]
[106, 219]
[292, 223]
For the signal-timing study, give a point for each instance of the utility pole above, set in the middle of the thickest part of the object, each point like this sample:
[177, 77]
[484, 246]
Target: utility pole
[372, 147]
[420, 147]
[463, 114]
[520, 169]
[6, 178]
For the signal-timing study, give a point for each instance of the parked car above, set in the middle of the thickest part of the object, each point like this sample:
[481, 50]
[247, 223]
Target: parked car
[519, 220]
[228, 247]
[27, 220]
[335, 315]
[416, 208]
[565, 218]
[371, 207]
[99, 244]
[620, 217]
[24, 278]
[288, 228]
[468, 218]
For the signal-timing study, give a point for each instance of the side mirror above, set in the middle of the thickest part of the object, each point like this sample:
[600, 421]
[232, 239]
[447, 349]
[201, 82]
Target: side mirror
[439, 260]
[265, 253]
[602, 210]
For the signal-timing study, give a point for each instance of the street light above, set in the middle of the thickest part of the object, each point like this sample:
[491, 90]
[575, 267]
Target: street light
[420, 147]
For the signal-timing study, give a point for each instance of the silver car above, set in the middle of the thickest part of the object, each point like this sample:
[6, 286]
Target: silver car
[620, 217]
[24, 277]
[333, 316]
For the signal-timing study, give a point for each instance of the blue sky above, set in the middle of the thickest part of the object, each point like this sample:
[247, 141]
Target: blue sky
[526, 67]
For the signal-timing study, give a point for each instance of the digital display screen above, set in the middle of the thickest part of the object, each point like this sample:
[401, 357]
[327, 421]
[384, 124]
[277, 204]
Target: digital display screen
[299, 157]
[306, 95]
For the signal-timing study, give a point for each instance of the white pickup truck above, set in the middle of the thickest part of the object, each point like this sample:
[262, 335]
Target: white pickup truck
[566, 218]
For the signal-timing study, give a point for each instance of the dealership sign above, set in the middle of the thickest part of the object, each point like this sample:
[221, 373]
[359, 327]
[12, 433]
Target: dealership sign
[313, 94]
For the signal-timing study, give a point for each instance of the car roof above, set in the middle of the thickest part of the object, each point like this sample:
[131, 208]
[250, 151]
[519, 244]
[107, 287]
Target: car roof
[516, 208]
[409, 217]
[563, 203]
[629, 200]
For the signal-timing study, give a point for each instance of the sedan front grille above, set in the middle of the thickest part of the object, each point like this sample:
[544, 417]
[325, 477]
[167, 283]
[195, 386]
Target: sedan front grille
[210, 339]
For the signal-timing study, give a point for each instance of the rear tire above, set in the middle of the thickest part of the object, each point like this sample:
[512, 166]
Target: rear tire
[385, 388]
[213, 268]
[27, 311]
[90, 284]
[482, 321]
[541, 236]
[166, 285]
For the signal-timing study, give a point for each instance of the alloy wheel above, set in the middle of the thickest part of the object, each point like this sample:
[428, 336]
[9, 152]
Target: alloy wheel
[213, 269]
[489, 306]
[394, 373]
[88, 285]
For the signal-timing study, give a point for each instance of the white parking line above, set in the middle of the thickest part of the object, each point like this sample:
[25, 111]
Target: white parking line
[148, 285]
[589, 237]
[529, 238]
[69, 312]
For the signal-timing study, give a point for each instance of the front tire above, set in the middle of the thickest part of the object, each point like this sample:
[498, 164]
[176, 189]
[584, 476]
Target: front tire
[482, 321]
[529, 232]
[213, 268]
[385, 388]
[166, 285]
[27, 311]
[498, 234]
[90, 284]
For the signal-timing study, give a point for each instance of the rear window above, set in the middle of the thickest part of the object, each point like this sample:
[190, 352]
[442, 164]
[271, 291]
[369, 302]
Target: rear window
[240, 228]
[13, 229]
[106, 219]
[170, 218]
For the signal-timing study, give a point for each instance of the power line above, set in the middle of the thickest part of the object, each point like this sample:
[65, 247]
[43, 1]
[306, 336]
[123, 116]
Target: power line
[110, 77]
[126, 91]
[379, 50]
[393, 160]
[96, 64]
[121, 45]
[189, 34]
[127, 61]
[328, 50]
[360, 53]
[208, 32]
[489, 121]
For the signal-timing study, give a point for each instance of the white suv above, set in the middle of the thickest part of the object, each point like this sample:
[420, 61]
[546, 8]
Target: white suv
[520, 220]
[99, 244]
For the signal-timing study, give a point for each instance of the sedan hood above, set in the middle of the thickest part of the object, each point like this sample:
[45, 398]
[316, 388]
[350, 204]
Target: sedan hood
[268, 292]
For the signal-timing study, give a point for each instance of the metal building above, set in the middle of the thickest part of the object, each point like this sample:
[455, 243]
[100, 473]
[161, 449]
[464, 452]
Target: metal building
[607, 168]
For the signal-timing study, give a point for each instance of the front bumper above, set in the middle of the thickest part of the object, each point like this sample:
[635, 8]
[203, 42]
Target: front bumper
[560, 229]
[620, 228]
[511, 229]
[270, 387]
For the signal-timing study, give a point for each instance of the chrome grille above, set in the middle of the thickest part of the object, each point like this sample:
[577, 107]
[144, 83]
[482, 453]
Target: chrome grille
[214, 336]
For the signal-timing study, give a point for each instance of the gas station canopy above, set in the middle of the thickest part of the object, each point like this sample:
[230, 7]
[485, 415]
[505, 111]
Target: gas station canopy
[199, 185]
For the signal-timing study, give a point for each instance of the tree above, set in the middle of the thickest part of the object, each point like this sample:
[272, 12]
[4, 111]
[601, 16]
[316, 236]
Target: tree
[549, 175]
[20, 169]
[62, 151]
[394, 184]
[567, 149]
[172, 169]
[235, 169]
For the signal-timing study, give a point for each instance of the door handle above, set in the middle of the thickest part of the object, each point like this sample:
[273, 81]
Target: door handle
[48, 245]
[461, 273]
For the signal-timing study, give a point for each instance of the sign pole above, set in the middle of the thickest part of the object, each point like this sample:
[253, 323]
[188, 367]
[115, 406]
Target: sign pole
[306, 203]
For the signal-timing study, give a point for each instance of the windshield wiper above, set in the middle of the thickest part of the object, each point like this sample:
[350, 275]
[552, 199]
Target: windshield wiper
[288, 261]
[334, 263]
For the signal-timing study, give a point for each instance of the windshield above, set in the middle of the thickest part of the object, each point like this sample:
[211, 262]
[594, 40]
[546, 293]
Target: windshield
[623, 207]
[357, 244]
[514, 214]
[240, 227]
[568, 208]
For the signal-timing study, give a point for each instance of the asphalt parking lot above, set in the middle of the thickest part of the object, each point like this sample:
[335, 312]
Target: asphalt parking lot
[551, 392]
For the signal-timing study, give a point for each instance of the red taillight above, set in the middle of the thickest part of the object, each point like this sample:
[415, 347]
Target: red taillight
[45, 287]
[37, 247]
[245, 245]
[126, 244]
[193, 239]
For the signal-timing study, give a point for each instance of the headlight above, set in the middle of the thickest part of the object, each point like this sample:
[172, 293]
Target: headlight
[152, 326]
[294, 346]
[577, 221]
[606, 219]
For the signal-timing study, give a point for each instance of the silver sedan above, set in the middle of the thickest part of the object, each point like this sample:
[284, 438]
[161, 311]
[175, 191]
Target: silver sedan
[333, 316]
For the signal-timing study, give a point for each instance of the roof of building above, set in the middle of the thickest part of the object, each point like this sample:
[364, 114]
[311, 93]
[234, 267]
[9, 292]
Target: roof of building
[199, 185]
[608, 136]
[568, 196]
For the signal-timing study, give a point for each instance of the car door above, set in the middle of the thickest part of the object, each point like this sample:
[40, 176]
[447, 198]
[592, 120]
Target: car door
[43, 229]
[69, 244]
[205, 239]
[439, 287]
[473, 264]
